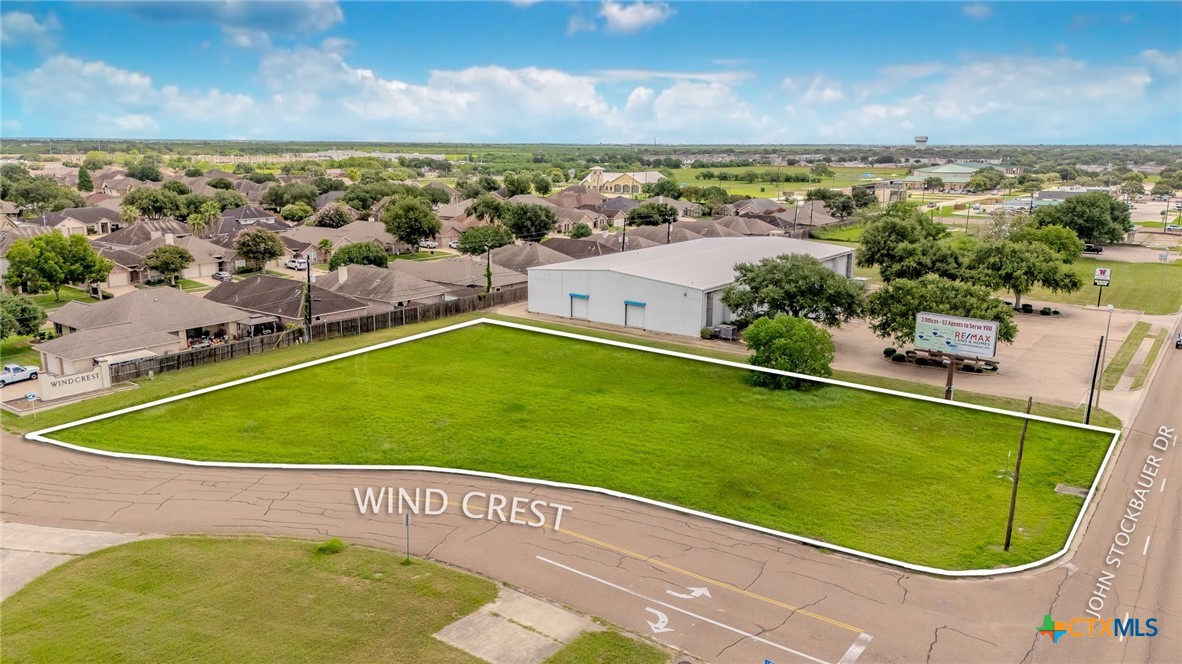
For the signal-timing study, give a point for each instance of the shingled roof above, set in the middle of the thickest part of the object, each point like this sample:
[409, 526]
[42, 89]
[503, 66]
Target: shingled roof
[281, 297]
[161, 309]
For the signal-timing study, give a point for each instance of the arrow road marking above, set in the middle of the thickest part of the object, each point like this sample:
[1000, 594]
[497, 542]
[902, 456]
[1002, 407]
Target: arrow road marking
[694, 592]
[683, 611]
[662, 620]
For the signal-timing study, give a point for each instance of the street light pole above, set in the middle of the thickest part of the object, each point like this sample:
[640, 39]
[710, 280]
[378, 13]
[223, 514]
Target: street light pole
[1103, 357]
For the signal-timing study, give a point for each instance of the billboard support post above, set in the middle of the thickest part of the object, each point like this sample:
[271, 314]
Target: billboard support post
[951, 373]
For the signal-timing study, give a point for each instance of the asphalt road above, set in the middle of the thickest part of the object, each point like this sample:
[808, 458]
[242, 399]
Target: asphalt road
[638, 566]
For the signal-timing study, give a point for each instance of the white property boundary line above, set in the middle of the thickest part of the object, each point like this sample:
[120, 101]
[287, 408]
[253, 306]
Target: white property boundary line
[41, 436]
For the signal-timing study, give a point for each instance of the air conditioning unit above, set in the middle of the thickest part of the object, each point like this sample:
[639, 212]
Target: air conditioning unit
[726, 332]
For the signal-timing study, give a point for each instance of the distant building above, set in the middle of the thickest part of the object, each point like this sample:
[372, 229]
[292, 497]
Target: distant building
[620, 183]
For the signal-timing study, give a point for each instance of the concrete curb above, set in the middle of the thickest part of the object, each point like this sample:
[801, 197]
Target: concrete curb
[41, 436]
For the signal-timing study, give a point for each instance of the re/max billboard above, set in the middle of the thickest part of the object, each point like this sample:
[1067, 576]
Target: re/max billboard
[972, 337]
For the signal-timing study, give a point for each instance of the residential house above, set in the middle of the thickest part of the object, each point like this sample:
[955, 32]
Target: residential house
[9, 212]
[753, 206]
[629, 240]
[577, 196]
[130, 267]
[460, 273]
[521, 257]
[304, 241]
[748, 225]
[620, 183]
[453, 210]
[581, 248]
[284, 299]
[568, 218]
[144, 230]
[253, 191]
[326, 198]
[684, 208]
[705, 228]
[10, 235]
[81, 221]
[381, 288]
[452, 193]
[225, 229]
[143, 323]
[118, 185]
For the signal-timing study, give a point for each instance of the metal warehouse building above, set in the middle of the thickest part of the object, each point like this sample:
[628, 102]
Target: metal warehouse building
[675, 288]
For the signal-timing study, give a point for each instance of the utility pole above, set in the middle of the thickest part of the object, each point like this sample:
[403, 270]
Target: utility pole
[1017, 471]
[1092, 384]
[308, 301]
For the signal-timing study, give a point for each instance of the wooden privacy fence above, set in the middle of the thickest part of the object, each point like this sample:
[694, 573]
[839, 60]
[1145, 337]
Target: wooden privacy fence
[124, 371]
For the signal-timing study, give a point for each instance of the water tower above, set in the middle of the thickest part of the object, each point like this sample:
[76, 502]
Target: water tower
[921, 142]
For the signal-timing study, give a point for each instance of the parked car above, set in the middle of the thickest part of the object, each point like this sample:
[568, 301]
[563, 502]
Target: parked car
[296, 264]
[15, 373]
[454, 244]
[1093, 249]
[1173, 227]
[429, 244]
[223, 276]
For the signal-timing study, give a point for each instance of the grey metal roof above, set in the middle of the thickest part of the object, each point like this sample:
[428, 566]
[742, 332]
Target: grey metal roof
[705, 264]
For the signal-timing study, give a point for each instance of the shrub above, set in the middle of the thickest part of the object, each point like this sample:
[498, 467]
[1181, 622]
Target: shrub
[1027, 308]
[332, 546]
[707, 333]
[1045, 311]
[1055, 312]
[887, 352]
[921, 361]
[898, 357]
[967, 368]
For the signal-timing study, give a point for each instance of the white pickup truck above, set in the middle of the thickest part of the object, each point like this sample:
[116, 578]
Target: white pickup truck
[15, 373]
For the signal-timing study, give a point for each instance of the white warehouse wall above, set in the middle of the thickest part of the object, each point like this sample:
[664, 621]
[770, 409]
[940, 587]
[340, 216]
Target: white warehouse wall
[669, 308]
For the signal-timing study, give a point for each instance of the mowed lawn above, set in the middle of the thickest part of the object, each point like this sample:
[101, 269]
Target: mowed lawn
[890, 475]
[844, 176]
[1154, 288]
[199, 599]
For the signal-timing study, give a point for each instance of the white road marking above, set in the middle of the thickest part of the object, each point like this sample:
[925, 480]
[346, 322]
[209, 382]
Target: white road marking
[1162, 488]
[662, 621]
[1122, 636]
[693, 592]
[1145, 550]
[736, 630]
[855, 650]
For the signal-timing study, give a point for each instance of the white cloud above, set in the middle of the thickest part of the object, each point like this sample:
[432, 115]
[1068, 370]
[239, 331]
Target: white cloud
[653, 74]
[18, 28]
[578, 24]
[823, 91]
[1169, 64]
[634, 17]
[245, 24]
[977, 10]
[133, 124]
[639, 99]
[247, 38]
[10, 125]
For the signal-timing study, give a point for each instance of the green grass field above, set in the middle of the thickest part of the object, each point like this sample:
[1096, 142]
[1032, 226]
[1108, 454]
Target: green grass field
[17, 350]
[199, 599]
[1154, 288]
[845, 176]
[68, 293]
[1120, 361]
[851, 234]
[904, 479]
[1159, 340]
[607, 648]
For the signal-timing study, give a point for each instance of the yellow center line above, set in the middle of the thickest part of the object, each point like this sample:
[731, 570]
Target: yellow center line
[674, 568]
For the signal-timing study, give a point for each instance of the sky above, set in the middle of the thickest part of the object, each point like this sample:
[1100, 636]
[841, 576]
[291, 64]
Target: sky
[611, 71]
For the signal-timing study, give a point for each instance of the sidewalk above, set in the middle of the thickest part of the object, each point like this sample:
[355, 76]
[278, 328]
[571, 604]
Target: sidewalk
[27, 552]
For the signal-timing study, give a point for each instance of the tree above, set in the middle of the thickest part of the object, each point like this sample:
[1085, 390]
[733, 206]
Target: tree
[821, 170]
[797, 285]
[652, 214]
[207, 214]
[177, 187]
[258, 245]
[19, 316]
[580, 230]
[169, 260]
[96, 159]
[194, 172]
[663, 187]
[1165, 187]
[891, 310]
[147, 169]
[788, 344]
[933, 183]
[324, 246]
[1133, 183]
[37, 194]
[333, 215]
[1062, 241]
[359, 253]
[85, 183]
[222, 183]
[863, 198]
[152, 202]
[529, 222]
[128, 214]
[1020, 266]
[296, 212]
[517, 185]
[227, 200]
[985, 179]
[325, 185]
[475, 241]
[1095, 217]
[905, 244]
[411, 220]
[841, 206]
[542, 184]
[486, 207]
[821, 194]
[49, 261]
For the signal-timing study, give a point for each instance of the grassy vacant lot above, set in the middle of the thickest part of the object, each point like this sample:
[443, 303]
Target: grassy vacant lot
[239, 599]
[67, 293]
[16, 350]
[851, 233]
[1150, 287]
[845, 177]
[904, 479]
